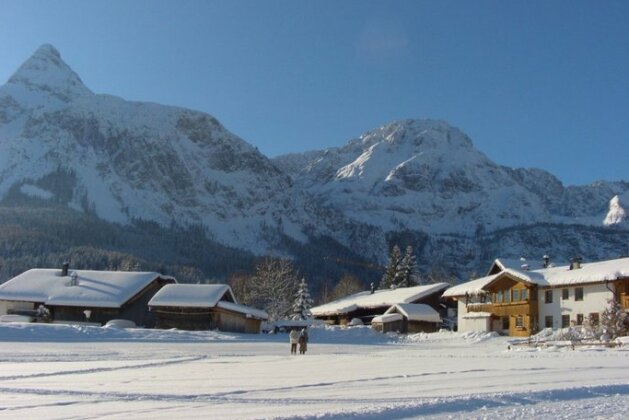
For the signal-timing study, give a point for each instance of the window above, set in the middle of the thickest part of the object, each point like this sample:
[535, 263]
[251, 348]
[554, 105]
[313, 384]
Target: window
[519, 321]
[565, 294]
[499, 297]
[524, 295]
[507, 296]
[516, 295]
[565, 321]
[548, 322]
[579, 319]
[578, 293]
[548, 296]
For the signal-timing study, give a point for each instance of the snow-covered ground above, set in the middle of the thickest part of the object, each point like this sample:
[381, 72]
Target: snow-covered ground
[62, 372]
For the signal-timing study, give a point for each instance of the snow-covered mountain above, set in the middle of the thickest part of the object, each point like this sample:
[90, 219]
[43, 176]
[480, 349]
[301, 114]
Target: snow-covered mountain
[129, 160]
[425, 175]
[415, 181]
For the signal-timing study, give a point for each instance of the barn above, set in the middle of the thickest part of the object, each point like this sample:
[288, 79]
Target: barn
[369, 304]
[204, 307]
[408, 318]
[83, 295]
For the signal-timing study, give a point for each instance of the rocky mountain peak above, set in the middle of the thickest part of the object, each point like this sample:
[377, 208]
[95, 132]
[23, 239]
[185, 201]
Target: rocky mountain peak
[424, 133]
[46, 71]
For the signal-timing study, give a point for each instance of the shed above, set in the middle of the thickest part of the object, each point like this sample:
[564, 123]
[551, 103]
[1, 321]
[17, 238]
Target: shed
[408, 318]
[367, 305]
[83, 295]
[204, 307]
[387, 323]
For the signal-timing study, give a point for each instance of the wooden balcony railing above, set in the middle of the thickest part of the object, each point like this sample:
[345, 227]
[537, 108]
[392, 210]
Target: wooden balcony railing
[505, 309]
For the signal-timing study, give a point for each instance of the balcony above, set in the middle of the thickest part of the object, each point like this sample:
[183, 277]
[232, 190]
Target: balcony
[505, 309]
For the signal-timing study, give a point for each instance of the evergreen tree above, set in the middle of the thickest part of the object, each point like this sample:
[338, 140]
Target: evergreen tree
[389, 279]
[406, 275]
[613, 319]
[303, 302]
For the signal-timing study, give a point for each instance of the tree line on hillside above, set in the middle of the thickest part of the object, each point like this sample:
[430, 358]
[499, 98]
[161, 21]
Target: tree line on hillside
[38, 234]
[277, 286]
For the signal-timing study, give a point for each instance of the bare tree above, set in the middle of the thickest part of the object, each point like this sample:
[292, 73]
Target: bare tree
[241, 286]
[274, 286]
[348, 285]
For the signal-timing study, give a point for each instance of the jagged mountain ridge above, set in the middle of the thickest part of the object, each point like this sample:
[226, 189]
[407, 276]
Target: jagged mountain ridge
[419, 182]
[425, 175]
[129, 160]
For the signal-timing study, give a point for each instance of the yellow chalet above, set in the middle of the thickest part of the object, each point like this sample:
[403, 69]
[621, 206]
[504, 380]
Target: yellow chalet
[519, 298]
[504, 302]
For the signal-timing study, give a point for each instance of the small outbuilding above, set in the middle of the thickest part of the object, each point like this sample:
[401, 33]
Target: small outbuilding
[204, 307]
[369, 304]
[408, 318]
[66, 295]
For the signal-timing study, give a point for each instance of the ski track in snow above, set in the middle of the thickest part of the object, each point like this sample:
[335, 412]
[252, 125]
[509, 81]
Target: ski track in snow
[104, 369]
[360, 376]
[390, 409]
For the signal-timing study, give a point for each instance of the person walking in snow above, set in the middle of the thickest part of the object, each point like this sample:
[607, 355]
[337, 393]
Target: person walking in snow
[294, 339]
[303, 341]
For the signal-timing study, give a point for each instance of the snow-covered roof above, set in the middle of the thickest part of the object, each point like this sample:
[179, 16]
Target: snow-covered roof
[203, 296]
[191, 295]
[595, 272]
[473, 287]
[517, 264]
[386, 318]
[416, 312]
[246, 310]
[99, 289]
[367, 300]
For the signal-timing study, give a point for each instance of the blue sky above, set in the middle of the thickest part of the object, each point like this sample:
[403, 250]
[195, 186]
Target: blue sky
[540, 84]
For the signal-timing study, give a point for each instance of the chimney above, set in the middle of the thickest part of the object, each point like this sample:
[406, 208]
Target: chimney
[64, 269]
[373, 289]
[74, 280]
[576, 263]
[546, 259]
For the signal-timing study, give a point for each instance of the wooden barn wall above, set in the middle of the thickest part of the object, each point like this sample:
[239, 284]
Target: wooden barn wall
[137, 308]
[76, 314]
[191, 319]
[205, 319]
[385, 327]
[422, 326]
[236, 322]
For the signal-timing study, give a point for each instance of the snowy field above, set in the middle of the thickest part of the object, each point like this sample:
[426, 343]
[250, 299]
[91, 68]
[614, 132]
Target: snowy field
[72, 372]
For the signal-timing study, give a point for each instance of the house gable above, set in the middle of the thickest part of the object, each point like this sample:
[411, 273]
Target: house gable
[77, 288]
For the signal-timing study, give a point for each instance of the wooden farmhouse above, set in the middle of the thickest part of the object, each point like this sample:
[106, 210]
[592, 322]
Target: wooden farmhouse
[367, 305]
[204, 307]
[83, 295]
[408, 318]
[519, 300]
